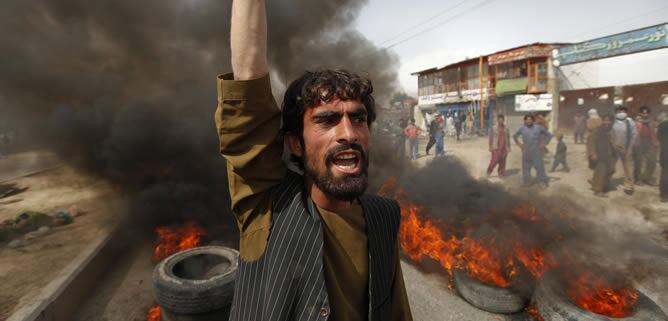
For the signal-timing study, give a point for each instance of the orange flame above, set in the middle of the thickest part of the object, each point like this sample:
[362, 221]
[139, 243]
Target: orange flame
[534, 259]
[593, 293]
[483, 259]
[527, 212]
[532, 310]
[153, 314]
[421, 238]
[176, 240]
[484, 263]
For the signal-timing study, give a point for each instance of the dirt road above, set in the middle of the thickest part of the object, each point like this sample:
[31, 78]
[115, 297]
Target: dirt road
[429, 296]
[26, 270]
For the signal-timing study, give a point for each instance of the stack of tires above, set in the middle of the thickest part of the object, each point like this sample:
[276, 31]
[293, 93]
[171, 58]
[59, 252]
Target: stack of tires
[196, 284]
[550, 298]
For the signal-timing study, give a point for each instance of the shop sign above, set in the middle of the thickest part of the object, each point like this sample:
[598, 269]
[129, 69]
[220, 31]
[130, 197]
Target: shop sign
[438, 98]
[529, 103]
[650, 38]
[520, 54]
[473, 94]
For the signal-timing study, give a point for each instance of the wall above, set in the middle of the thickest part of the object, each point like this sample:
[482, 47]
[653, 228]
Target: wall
[650, 95]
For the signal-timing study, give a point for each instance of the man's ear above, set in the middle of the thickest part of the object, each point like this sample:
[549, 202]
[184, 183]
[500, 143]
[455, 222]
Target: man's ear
[293, 143]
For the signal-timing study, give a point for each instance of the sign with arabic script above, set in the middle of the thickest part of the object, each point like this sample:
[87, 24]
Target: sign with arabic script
[650, 38]
[438, 98]
[529, 103]
[519, 54]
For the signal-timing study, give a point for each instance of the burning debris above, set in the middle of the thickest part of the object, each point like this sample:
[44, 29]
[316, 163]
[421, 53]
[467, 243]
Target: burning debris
[596, 294]
[153, 313]
[172, 240]
[506, 241]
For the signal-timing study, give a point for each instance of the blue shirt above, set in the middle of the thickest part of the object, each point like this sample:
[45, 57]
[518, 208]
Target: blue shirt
[533, 136]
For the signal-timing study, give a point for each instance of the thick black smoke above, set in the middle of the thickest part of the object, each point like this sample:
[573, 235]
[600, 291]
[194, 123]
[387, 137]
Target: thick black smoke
[126, 89]
[609, 241]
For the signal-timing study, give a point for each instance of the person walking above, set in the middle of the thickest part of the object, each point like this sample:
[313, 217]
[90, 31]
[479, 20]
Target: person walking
[560, 155]
[644, 150]
[499, 146]
[458, 125]
[450, 125]
[534, 137]
[662, 137]
[579, 128]
[433, 127]
[469, 124]
[623, 138]
[412, 133]
[594, 120]
[440, 136]
[601, 156]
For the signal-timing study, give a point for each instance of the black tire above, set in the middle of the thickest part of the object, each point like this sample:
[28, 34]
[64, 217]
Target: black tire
[554, 305]
[198, 280]
[222, 314]
[486, 297]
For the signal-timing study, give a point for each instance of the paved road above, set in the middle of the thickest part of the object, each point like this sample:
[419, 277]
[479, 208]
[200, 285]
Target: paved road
[431, 300]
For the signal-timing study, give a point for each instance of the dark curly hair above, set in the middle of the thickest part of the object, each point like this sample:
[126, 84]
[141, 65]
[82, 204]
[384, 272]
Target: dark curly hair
[314, 87]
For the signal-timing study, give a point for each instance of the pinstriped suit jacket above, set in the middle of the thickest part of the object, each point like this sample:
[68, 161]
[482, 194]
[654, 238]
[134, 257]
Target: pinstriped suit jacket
[287, 282]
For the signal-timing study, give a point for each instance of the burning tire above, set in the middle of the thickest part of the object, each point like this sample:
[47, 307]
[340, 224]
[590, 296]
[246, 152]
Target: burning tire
[195, 281]
[554, 305]
[486, 297]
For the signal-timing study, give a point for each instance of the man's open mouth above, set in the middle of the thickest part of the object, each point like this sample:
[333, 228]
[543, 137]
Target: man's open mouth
[347, 162]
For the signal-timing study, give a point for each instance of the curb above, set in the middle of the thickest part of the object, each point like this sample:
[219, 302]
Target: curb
[61, 297]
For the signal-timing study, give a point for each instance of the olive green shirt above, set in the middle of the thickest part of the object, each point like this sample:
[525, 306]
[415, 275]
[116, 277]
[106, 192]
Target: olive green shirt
[248, 124]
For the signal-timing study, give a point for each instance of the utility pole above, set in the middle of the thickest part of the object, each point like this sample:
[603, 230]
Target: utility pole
[482, 102]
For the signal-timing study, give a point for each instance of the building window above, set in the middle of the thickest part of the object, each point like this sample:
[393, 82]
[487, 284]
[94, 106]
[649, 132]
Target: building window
[472, 76]
[537, 76]
[510, 70]
[450, 80]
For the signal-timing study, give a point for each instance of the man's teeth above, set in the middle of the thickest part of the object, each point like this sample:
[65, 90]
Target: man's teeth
[351, 166]
[348, 156]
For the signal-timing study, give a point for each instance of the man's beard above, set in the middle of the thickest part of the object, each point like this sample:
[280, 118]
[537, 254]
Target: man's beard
[346, 188]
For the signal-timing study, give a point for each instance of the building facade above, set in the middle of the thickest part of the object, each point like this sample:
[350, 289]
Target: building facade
[459, 88]
[523, 81]
[627, 69]
[512, 82]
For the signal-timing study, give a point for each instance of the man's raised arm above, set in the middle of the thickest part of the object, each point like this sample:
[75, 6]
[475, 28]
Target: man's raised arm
[248, 39]
[248, 123]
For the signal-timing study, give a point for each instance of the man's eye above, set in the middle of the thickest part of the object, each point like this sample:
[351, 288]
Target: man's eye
[361, 119]
[327, 120]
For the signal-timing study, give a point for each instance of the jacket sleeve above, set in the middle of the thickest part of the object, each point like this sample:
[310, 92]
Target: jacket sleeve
[248, 125]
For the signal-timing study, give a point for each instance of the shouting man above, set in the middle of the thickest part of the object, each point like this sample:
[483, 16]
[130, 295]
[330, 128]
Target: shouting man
[313, 246]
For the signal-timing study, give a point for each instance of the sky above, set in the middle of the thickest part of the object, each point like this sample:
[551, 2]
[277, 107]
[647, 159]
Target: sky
[431, 33]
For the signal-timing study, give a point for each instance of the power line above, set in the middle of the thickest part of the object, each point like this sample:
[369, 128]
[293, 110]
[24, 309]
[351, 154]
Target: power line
[622, 21]
[479, 5]
[423, 22]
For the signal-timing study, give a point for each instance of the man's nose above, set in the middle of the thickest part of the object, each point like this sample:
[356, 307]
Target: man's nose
[346, 132]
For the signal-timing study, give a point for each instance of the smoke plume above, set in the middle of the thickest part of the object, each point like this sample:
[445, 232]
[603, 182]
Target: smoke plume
[126, 89]
[611, 241]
